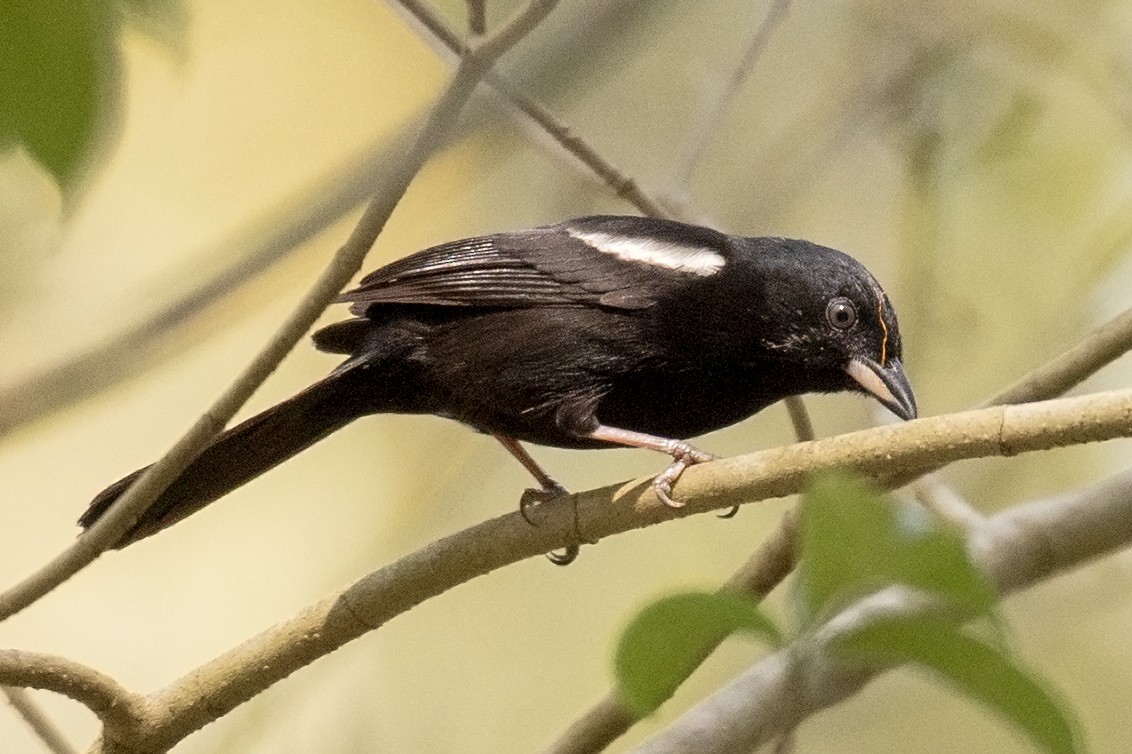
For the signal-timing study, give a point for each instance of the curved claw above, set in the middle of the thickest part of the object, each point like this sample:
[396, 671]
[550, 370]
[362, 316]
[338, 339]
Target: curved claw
[568, 555]
[663, 490]
[729, 514]
[532, 497]
[683, 456]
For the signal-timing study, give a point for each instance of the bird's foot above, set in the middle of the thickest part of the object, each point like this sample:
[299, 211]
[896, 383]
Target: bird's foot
[565, 556]
[683, 456]
[532, 497]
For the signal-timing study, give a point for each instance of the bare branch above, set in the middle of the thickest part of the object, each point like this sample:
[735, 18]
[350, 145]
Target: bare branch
[800, 418]
[1104, 345]
[621, 184]
[949, 505]
[477, 17]
[1016, 548]
[231, 679]
[256, 246]
[713, 113]
[510, 32]
[775, 558]
[117, 708]
[37, 720]
[345, 264]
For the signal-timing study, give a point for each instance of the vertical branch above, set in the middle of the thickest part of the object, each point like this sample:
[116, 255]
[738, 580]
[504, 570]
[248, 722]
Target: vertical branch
[477, 17]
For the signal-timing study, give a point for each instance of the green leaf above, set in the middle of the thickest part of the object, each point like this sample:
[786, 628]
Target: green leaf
[672, 636]
[980, 671]
[58, 81]
[854, 541]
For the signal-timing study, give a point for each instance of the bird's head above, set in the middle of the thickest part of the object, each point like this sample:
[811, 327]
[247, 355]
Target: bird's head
[827, 313]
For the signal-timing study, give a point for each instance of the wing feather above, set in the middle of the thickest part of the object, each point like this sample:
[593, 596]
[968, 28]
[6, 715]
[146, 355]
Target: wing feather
[631, 261]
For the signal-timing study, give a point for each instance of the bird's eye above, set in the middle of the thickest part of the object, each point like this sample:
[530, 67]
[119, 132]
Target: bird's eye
[841, 313]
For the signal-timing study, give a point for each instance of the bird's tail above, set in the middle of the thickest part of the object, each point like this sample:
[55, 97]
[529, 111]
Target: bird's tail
[242, 453]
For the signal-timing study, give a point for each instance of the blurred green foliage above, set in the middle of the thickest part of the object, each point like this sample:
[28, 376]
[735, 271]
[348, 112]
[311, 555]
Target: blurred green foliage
[668, 639]
[974, 154]
[60, 75]
[979, 671]
[854, 542]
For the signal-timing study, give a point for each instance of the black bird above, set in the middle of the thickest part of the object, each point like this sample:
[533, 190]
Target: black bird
[599, 332]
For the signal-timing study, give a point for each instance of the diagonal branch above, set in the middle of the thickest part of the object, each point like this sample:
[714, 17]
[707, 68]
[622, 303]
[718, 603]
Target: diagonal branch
[37, 720]
[1104, 345]
[345, 264]
[713, 113]
[256, 247]
[775, 558]
[231, 679]
[1016, 549]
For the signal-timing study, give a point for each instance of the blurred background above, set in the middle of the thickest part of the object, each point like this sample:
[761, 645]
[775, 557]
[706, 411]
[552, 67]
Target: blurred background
[976, 155]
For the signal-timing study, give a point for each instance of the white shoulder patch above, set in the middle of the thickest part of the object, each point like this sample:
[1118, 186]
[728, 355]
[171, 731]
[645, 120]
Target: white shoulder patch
[697, 260]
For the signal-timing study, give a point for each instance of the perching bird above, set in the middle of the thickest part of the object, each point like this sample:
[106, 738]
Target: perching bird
[598, 332]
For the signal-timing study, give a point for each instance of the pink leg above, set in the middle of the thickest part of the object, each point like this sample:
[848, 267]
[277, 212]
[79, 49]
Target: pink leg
[549, 486]
[683, 456]
[550, 490]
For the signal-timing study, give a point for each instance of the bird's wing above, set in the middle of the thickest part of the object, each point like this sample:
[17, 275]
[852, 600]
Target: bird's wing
[613, 262]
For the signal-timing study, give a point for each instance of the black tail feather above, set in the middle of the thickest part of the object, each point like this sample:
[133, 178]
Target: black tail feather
[241, 454]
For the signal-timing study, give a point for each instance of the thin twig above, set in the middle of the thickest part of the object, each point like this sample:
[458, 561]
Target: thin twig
[621, 184]
[231, 679]
[713, 113]
[800, 418]
[1104, 345]
[477, 17]
[345, 264]
[36, 719]
[1016, 549]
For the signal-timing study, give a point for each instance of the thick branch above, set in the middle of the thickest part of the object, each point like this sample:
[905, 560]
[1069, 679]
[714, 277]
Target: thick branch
[229, 680]
[118, 709]
[609, 718]
[1016, 548]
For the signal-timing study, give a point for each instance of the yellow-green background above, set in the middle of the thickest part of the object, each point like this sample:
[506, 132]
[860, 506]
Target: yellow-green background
[974, 154]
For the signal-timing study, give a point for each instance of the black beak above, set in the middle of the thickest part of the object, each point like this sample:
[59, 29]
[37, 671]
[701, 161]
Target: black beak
[888, 384]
